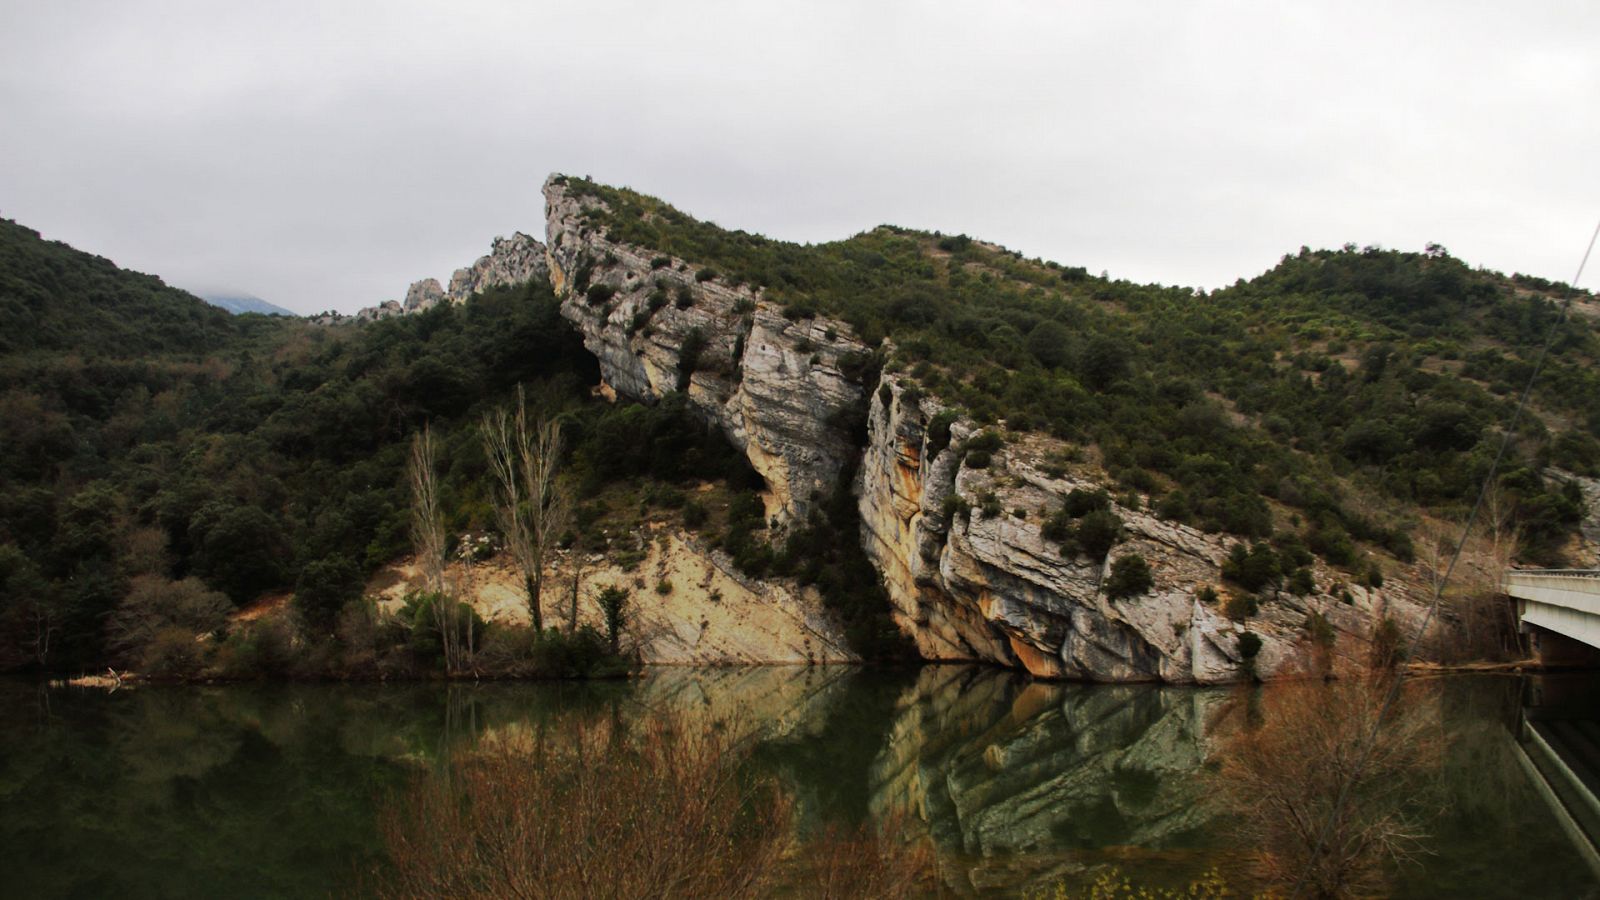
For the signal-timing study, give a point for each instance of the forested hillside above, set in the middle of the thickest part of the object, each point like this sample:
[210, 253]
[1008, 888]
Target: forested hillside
[150, 438]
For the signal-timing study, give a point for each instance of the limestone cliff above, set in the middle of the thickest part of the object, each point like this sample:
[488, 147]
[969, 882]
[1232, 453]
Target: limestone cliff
[970, 585]
[777, 388]
[966, 585]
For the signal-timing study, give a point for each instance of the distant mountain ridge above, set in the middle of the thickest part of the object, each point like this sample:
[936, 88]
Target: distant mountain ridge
[244, 303]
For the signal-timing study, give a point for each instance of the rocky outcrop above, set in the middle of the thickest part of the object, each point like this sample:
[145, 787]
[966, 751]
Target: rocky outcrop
[423, 295]
[1587, 546]
[510, 261]
[780, 389]
[688, 604]
[977, 585]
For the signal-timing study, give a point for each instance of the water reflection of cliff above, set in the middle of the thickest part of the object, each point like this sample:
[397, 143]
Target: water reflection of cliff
[995, 766]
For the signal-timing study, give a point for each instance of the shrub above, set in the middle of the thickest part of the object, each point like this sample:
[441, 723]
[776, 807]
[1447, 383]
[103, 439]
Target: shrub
[1130, 577]
[154, 610]
[694, 343]
[171, 652]
[705, 274]
[1301, 583]
[1098, 532]
[694, 514]
[1239, 607]
[989, 505]
[1388, 645]
[938, 430]
[954, 506]
[613, 604]
[1320, 630]
[1080, 502]
[685, 297]
[599, 294]
[1298, 757]
[1249, 645]
[660, 262]
[1251, 569]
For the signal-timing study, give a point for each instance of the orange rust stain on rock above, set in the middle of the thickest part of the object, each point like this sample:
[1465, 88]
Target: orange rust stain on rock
[1037, 662]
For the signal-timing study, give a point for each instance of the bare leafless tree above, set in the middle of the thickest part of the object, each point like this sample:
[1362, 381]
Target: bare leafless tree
[532, 507]
[427, 522]
[428, 543]
[1483, 619]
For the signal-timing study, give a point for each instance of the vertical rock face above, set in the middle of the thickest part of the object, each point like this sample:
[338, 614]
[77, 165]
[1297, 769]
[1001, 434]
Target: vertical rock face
[777, 388]
[970, 585]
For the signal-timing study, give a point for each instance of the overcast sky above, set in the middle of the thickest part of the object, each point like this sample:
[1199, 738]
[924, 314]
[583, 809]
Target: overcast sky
[324, 155]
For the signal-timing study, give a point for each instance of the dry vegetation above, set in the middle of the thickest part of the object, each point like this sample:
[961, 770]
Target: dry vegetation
[1328, 786]
[659, 811]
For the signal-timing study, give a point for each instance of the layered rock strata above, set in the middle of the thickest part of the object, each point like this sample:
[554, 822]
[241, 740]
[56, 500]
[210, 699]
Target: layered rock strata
[974, 586]
[776, 387]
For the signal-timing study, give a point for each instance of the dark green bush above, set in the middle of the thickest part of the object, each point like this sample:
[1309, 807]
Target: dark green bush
[1130, 577]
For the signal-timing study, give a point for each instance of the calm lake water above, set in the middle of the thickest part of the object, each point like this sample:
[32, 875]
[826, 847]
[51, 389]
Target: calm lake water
[270, 790]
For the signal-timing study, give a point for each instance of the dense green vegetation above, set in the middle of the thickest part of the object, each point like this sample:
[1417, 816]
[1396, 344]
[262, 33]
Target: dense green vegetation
[1333, 396]
[242, 455]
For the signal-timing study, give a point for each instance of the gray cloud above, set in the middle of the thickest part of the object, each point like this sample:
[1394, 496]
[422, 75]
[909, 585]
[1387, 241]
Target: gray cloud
[325, 155]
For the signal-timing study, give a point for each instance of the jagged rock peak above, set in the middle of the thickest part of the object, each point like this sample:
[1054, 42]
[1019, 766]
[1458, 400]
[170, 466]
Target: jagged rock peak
[510, 261]
[513, 260]
[423, 294]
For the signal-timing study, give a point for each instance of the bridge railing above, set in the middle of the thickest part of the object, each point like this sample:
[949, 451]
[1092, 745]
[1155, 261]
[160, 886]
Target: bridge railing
[1556, 573]
[1575, 588]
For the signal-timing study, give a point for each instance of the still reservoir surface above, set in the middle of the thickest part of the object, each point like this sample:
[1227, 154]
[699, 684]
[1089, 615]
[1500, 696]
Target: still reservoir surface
[271, 790]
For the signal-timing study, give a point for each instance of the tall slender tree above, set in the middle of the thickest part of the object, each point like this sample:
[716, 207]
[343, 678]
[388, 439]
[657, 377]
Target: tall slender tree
[428, 542]
[532, 507]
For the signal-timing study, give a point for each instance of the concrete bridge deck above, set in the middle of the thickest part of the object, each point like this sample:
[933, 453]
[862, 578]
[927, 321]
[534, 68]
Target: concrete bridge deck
[1563, 602]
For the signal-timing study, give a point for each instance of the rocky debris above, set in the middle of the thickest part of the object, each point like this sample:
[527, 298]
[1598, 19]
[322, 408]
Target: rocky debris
[971, 584]
[780, 389]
